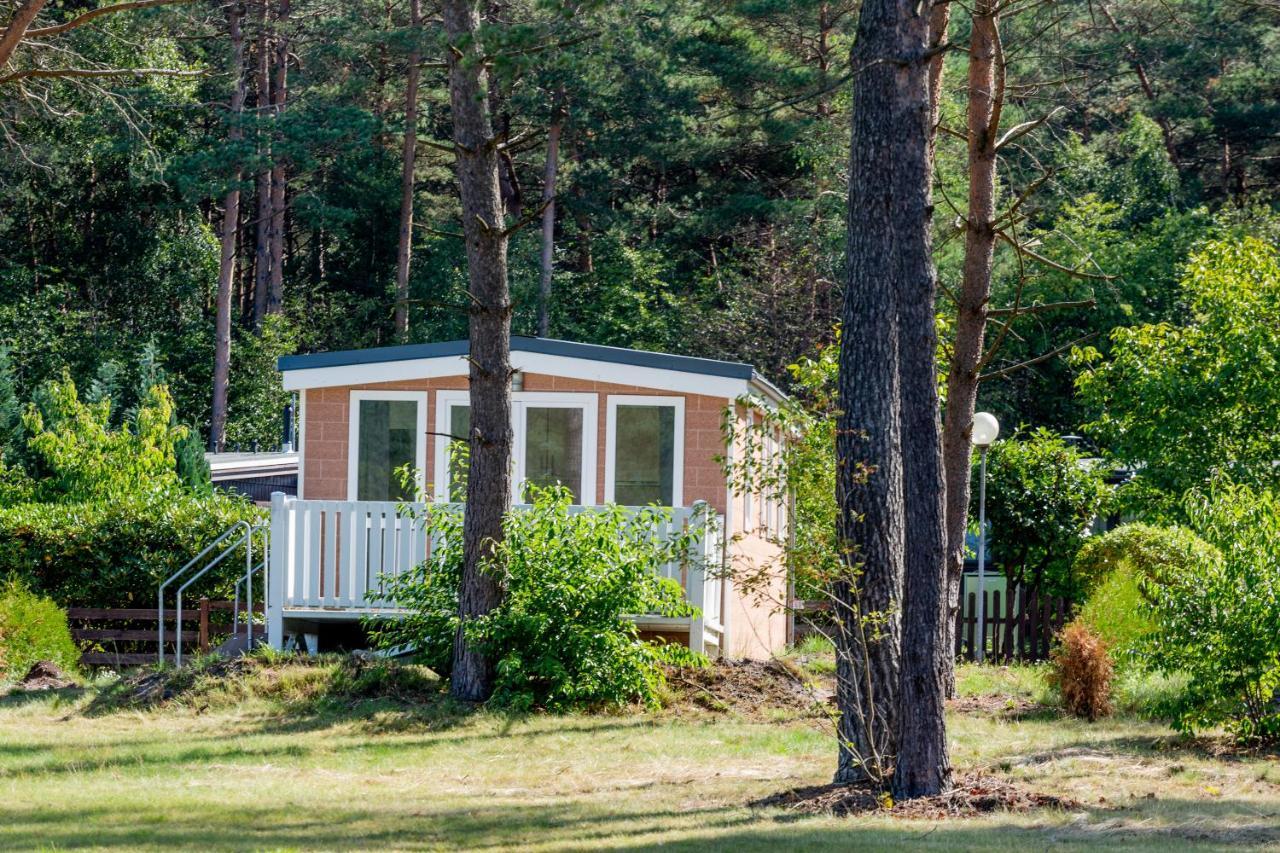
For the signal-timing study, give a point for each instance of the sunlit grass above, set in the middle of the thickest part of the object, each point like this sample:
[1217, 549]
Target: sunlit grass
[247, 765]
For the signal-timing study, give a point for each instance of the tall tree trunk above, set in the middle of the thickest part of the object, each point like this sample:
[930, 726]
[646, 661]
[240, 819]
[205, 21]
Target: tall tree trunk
[985, 98]
[279, 97]
[868, 442]
[549, 214]
[408, 161]
[230, 225]
[489, 475]
[262, 183]
[923, 767]
[17, 27]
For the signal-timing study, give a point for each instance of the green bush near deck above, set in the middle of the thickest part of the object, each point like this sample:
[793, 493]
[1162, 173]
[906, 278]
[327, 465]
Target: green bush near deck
[32, 628]
[561, 639]
[115, 553]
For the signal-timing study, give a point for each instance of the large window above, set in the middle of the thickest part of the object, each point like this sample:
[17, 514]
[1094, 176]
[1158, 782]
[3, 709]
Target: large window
[387, 434]
[554, 443]
[646, 448]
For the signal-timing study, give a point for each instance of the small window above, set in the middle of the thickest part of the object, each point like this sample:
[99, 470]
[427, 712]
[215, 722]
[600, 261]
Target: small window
[646, 448]
[387, 438]
[644, 455]
[553, 448]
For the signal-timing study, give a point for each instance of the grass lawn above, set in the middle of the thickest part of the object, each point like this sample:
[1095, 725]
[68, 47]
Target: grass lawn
[236, 769]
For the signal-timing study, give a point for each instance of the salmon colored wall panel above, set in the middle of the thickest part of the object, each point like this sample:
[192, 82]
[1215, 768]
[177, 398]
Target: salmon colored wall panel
[755, 619]
[326, 431]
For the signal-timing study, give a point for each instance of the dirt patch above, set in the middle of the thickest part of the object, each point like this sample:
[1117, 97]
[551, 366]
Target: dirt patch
[973, 794]
[45, 675]
[998, 705]
[754, 689]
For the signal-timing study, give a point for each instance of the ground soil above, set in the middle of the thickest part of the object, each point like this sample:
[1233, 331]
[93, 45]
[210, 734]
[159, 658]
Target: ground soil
[752, 689]
[996, 705]
[973, 794]
[45, 675]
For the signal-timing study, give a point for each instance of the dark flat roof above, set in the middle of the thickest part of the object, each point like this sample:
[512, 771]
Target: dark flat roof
[547, 346]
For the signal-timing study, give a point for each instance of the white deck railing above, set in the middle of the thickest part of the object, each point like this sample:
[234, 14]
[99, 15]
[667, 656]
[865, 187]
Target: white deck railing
[334, 557]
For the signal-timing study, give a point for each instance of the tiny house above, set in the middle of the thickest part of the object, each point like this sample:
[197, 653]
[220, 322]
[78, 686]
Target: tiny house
[612, 425]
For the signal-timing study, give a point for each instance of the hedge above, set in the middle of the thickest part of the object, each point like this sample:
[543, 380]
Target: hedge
[115, 553]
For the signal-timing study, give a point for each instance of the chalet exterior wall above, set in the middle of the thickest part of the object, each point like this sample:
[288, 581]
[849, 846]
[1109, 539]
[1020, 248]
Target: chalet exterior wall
[754, 623]
[326, 428]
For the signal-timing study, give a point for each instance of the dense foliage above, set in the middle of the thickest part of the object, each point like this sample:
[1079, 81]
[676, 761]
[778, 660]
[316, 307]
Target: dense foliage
[561, 639]
[32, 629]
[1042, 496]
[1218, 621]
[1182, 403]
[1116, 567]
[96, 509]
[699, 198]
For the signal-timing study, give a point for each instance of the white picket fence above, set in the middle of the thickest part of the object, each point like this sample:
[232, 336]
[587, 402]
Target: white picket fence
[330, 558]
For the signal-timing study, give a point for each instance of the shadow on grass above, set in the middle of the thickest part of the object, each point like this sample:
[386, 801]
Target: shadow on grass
[18, 698]
[1149, 746]
[478, 824]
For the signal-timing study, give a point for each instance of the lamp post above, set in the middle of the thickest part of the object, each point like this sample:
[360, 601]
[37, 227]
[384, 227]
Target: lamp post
[986, 429]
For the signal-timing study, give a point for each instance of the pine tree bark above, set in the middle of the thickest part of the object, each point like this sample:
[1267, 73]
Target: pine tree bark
[408, 165]
[279, 182]
[922, 766]
[984, 102]
[230, 226]
[489, 474]
[262, 182]
[550, 172]
[868, 443]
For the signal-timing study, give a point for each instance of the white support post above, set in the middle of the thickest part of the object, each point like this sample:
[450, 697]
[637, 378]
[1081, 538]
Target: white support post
[696, 579]
[281, 553]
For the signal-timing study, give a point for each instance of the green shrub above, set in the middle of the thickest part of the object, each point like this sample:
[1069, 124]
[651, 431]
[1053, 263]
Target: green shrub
[1218, 622]
[74, 453]
[1147, 550]
[560, 639]
[32, 628]
[115, 553]
[1118, 613]
[1115, 567]
[1041, 496]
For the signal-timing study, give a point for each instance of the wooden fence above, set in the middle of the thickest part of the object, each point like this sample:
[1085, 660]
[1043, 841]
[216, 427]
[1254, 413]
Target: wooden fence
[120, 637]
[1019, 625]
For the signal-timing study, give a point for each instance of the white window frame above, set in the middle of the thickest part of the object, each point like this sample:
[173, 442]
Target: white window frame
[521, 402]
[353, 434]
[611, 441]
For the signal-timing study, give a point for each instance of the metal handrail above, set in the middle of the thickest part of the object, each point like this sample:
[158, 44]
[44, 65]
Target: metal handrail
[247, 539]
[248, 587]
[235, 605]
[160, 594]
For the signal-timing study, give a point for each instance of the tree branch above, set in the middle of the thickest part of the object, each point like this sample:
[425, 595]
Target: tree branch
[1005, 371]
[1019, 311]
[17, 29]
[1020, 130]
[82, 19]
[1041, 259]
[530, 218]
[58, 73]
